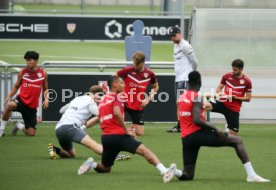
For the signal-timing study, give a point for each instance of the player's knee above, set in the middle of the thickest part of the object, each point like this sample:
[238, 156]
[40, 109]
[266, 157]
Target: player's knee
[190, 176]
[186, 177]
[207, 106]
[238, 140]
[11, 105]
[30, 133]
[140, 133]
[139, 130]
[103, 170]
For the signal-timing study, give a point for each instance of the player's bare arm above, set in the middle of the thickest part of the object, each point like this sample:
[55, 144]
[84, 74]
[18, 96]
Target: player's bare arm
[245, 98]
[15, 87]
[154, 90]
[203, 124]
[119, 117]
[92, 122]
[45, 92]
[219, 89]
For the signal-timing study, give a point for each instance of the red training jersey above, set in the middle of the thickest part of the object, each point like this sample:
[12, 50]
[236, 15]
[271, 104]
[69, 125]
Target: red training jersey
[185, 107]
[136, 84]
[237, 87]
[108, 122]
[30, 89]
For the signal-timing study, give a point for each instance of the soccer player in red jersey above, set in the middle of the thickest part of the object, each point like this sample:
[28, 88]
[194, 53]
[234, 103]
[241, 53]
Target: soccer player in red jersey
[196, 132]
[233, 89]
[137, 78]
[31, 80]
[117, 137]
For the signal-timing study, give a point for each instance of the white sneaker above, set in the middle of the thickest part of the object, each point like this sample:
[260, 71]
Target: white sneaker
[86, 166]
[257, 179]
[167, 177]
[17, 125]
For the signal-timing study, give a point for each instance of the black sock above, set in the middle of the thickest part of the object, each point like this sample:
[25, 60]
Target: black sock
[57, 150]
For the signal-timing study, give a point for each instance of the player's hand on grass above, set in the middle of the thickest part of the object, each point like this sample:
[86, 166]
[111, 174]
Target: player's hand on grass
[45, 104]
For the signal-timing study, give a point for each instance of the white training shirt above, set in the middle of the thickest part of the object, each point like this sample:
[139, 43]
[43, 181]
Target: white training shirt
[78, 111]
[185, 60]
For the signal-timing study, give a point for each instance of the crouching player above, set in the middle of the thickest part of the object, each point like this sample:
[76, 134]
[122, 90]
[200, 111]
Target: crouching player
[69, 128]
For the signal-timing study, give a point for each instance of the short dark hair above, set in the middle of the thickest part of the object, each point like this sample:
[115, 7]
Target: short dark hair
[31, 55]
[111, 80]
[194, 78]
[95, 89]
[238, 63]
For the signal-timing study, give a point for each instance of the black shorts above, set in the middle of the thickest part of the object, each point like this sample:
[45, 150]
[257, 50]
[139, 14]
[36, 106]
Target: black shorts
[135, 115]
[232, 118]
[28, 114]
[113, 144]
[192, 143]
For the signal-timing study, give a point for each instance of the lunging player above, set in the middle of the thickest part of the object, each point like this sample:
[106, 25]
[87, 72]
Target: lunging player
[116, 137]
[196, 132]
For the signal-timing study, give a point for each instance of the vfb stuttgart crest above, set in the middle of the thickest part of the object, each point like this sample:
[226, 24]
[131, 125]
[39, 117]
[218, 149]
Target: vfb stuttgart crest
[104, 86]
[71, 27]
[39, 75]
[146, 75]
[242, 81]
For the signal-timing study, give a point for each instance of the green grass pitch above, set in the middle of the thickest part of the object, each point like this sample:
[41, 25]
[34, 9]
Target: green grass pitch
[13, 51]
[24, 163]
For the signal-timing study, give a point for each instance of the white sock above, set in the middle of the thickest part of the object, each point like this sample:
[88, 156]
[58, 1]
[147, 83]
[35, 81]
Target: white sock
[94, 165]
[249, 169]
[178, 173]
[83, 127]
[161, 168]
[3, 124]
[20, 126]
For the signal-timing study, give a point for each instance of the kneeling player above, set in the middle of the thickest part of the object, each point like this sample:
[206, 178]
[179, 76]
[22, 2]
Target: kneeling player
[69, 128]
[116, 137]
[31, 80]
[137, 78]
[195, 132]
